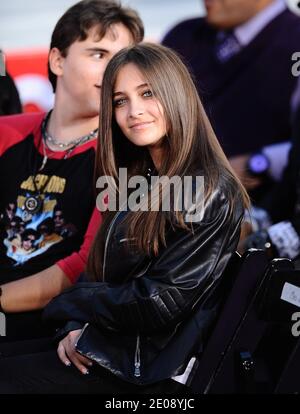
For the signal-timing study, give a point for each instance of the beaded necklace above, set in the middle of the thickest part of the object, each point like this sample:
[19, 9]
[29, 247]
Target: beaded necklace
[34, 202]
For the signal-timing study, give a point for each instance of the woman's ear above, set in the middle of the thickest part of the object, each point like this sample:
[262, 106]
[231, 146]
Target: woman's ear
[56, 61]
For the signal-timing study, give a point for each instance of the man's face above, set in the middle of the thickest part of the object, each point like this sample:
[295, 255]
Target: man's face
[227, 14]
[83, 68]
[58, 219]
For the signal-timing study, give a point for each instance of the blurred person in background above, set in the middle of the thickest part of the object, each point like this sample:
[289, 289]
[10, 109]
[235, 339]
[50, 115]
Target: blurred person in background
[281, 206]
[9, 97]
[240, 54]
[47, 160]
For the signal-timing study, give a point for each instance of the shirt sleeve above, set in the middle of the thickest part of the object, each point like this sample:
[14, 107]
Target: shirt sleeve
[74, 264]
[16, 128]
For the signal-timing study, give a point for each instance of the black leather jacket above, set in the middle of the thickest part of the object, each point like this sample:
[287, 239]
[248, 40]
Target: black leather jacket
[149, 316]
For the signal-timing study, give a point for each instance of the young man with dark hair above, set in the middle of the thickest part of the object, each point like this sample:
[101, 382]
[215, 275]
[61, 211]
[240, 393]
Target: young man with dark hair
[48, 160]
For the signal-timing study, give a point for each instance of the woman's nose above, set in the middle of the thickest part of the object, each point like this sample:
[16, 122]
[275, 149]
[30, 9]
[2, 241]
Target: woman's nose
[136, 109]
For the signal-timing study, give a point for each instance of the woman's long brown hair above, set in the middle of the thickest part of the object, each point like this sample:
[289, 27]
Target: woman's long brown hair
[190, 145]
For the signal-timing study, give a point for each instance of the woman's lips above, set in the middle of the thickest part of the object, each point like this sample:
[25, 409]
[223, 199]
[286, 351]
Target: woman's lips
[140, 125]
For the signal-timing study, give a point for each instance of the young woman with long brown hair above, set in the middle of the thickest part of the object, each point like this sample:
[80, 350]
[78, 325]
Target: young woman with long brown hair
[157, 273]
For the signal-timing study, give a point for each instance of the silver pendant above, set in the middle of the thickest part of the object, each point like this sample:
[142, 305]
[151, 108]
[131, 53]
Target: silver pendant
[33, 204]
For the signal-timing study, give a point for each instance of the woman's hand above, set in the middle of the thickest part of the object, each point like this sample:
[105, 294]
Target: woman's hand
[67, 353]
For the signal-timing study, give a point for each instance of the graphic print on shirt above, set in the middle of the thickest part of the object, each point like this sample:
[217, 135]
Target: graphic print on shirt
[30, 232]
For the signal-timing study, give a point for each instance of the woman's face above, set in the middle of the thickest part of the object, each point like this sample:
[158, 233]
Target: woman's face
[138, 113]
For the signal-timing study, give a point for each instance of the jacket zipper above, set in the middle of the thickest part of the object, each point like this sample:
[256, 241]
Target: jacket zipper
[126, 239]
[137, 358]
[106, 242]
[81, 333]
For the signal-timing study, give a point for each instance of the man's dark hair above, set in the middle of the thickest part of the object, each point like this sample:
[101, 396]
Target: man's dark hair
[79, 19]
[30, 232]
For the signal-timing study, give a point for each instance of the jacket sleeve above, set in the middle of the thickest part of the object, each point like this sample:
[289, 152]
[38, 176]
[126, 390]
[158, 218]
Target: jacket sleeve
[175, 281]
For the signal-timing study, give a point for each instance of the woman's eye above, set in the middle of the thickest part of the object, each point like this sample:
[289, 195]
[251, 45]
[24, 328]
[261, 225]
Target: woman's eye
[119, 102]
[98, 55]
[147, 94]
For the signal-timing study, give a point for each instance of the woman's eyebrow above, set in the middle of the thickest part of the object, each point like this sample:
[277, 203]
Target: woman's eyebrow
[138, 87]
